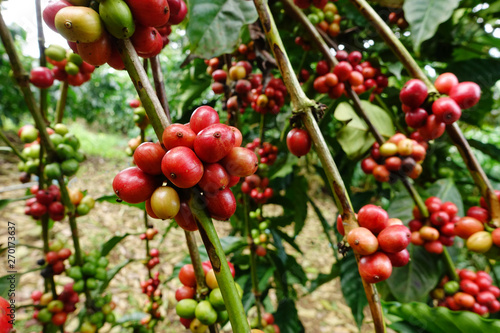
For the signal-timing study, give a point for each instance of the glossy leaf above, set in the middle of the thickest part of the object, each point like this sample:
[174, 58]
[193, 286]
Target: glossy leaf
[214, 26]
[287, 318]
[352, 287]
[414, 281]
[441, 319]
[355, 137]
[424, 17]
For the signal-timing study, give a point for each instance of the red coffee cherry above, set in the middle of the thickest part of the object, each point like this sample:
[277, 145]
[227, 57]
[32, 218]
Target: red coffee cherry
[298, 142]
[414, 93]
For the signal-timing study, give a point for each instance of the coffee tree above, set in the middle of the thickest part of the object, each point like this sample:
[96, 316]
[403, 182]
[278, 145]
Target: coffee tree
[272, 97]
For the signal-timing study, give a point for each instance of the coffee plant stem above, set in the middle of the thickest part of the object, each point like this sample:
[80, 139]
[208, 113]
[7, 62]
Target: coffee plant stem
[253, 259]
[43, 61]
[22, 79]
[320, 39]
[61, 103]
[304, 106]
[218, 259]
[261, 129]
[450, 266]
[159, 121]
[201, 286]
[149, 99]
[160, 85]
[147, 242]
[453, 130]
[23, 82]
[4, 138]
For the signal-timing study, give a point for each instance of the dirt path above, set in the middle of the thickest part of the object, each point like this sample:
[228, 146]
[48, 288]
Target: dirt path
[322, 311]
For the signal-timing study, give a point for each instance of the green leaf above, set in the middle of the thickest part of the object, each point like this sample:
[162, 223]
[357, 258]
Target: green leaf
[110, 244]
[414, 281]
[111, 274]
[5, 202]
[355, 137]
[424, 17]
[287, 318]
[487, 148]
[441, 319]
[6, 284]
[352, 287]
[112, 198]
[214, 25]
[401, 206]
[446, 190]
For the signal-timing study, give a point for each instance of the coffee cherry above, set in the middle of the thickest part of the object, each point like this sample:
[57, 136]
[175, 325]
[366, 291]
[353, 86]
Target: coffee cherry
[182, 167]
[298, 142]
[414, 93]
[362, 241]
[375, 268]
[466, 94]
[446, 110]
[445, 82]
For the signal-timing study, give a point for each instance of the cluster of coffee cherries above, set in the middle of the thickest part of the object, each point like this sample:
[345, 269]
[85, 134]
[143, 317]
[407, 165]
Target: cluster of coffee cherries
[362, 76]
[68, 155]
[196, 313]
[260, 235]
[474, 292]
[271, 99]
[45, 201]
[398, 18]
[247, 88]
[90, 273]
[326, 17]
[431, 118]
[257, 188]
[441, 231]
[68, 66]
[54, 261]
[267, 152]
[246, 51]
[267, 324]
[480, 235]
[150, 288]
[92, 32]
[141, 119]
[55, 311]
[204, 153]
[380, 241]
[83, 202]
[398, 156]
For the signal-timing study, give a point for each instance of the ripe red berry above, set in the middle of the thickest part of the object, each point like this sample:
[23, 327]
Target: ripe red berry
[375, 268]
[399, 259]
[177, 135]
[466, 94]
[416, 118]
[182, 167]
[446, 110]
[343, 70]
[394, 238]
[414, 93]
[240, 162]
[41, 77]
[445, 82]
[298, 142]
[214, 142]
[148, 157]
[132, 185]
[373, 218]
[221, 205]
[202, 117]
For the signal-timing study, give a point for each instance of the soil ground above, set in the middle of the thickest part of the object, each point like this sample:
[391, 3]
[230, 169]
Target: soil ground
[322, 311]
